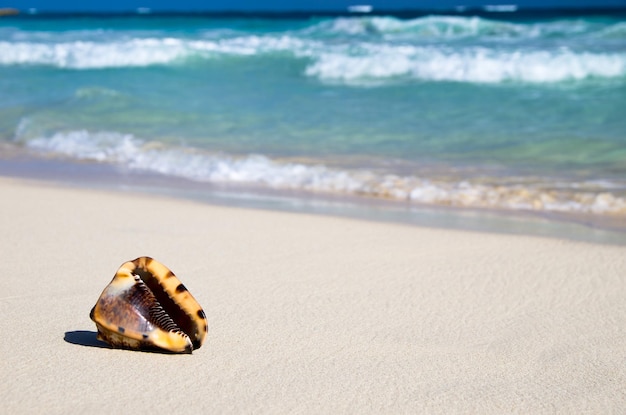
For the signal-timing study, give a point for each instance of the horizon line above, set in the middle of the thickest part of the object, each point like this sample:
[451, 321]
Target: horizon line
[459, 10]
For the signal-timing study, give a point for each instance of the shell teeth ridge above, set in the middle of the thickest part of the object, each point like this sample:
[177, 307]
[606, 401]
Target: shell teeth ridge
[158, 315]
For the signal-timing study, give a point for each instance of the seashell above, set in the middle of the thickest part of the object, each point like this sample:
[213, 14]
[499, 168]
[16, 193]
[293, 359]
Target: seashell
[146, 307]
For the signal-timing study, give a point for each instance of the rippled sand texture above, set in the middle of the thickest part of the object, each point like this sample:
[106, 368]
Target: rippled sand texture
[306, 314]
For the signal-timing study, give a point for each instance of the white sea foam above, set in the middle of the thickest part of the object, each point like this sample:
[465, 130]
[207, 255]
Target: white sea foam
[133, 153]
[350, 63]
[92, 55]
[477, 64]
[355, 50]
[139, 52]
[193, 164]
[455, 27]
[429, 27]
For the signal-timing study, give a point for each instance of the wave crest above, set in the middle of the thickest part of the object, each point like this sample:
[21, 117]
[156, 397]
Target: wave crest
[429, 27]
[351, 64]
[479, 65]
[139, 52]
[354, 50]
[457, 27]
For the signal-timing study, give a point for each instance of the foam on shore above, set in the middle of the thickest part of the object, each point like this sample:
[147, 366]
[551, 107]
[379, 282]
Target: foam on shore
[508, 193]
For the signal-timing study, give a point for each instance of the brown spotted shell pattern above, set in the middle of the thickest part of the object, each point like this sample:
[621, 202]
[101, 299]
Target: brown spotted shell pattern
[146, 307]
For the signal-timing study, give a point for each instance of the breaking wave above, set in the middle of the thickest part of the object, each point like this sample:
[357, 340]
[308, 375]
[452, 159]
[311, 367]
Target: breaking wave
[480, 65]
[136, 52]
[351, 64]
[258, 170]
[452, 27]
[354, 50]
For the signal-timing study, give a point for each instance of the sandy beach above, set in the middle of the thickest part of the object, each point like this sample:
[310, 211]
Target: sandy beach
[307, 314]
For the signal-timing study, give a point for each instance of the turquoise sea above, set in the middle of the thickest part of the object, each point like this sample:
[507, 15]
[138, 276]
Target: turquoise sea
[498, 112]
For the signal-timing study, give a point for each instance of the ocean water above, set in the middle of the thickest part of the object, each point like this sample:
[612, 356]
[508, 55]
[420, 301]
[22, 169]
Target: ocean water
[522, 115]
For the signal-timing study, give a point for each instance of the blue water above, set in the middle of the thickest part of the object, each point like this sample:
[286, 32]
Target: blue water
[526, 114]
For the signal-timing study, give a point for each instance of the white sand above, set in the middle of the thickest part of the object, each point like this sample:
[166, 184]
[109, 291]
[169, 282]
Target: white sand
[306, 314]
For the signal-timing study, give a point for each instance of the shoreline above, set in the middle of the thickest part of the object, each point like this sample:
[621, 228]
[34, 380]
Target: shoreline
[307, 313]
[16, 163]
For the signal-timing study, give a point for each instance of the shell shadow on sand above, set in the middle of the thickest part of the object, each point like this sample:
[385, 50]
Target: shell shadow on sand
[89, 339]
[85, 338]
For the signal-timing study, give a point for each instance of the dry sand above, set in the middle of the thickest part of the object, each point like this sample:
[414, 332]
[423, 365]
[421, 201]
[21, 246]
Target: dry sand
[306, 314]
